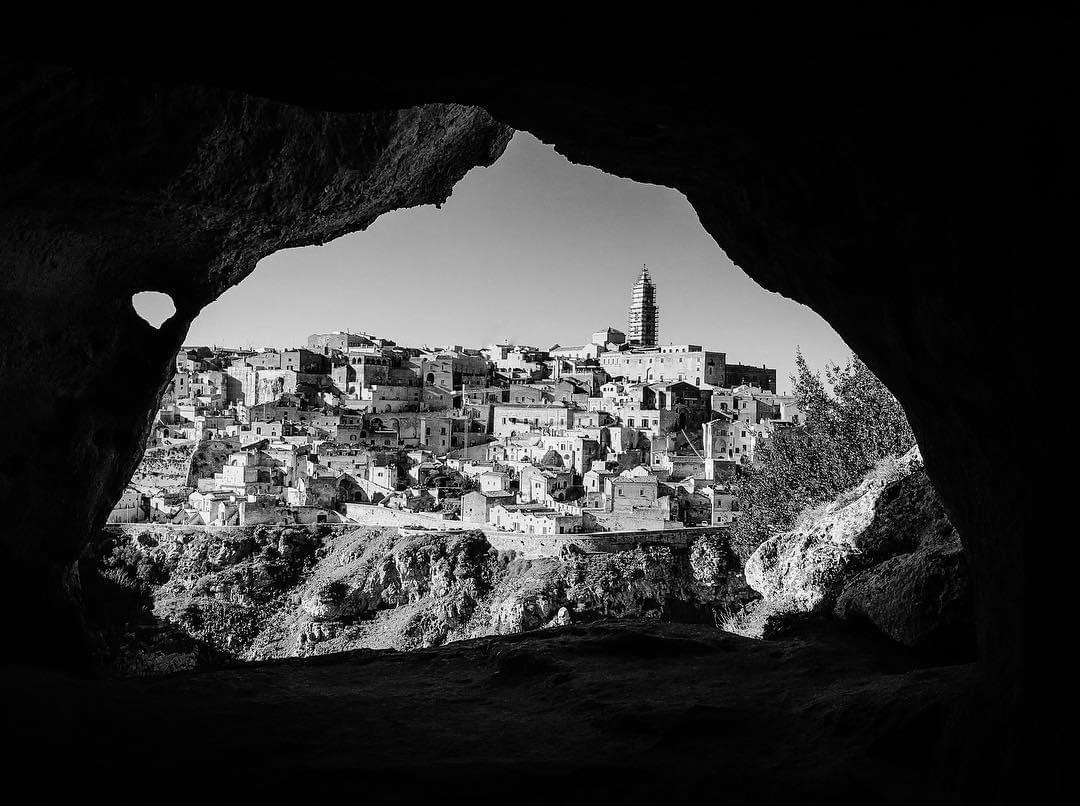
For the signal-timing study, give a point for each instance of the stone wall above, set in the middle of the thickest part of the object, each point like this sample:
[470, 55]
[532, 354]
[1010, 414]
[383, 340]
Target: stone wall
[629, 522]
[368, 515]
[531, 546]
[137, 529]
[528, 546]
[273, 515]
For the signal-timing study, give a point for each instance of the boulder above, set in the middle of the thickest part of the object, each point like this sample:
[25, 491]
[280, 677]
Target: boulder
[883, 552]
[921, 599]
[806, 566]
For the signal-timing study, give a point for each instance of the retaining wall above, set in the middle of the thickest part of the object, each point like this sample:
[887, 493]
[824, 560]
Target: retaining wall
[551, 545]
[528, 546]
[136, 529]
[369, 515]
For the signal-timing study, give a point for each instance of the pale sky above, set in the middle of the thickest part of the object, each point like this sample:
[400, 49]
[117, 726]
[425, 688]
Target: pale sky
[533, 249]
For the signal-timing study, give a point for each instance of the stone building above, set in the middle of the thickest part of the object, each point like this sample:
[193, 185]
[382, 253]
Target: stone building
[533, 519]
[251, 386]
[245, 472]
[739, 374]
[341, 341]
[439, 398]
[539, 485]
[356, 371]
[299, 360]
[443, 433]
[494, 481]
[577, 352]
[511, 419]
[667, 364]
[608, 336]
[476, 505]
[451, 369]
[637, 493]
[131, 508]
[383, 397]
[718, 441]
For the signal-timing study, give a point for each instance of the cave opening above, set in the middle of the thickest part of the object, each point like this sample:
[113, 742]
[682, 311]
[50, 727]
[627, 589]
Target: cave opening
[804, 185]
[276, 421]
[154, 307]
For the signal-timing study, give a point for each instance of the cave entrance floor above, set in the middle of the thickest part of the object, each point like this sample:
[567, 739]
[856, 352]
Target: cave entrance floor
[637, 710]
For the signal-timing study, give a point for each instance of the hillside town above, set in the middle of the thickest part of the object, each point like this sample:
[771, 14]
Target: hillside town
[619, 433]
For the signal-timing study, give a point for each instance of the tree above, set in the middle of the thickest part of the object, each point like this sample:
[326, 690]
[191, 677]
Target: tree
[850, 422]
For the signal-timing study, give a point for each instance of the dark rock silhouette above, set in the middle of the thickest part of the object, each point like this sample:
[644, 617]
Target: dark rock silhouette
[904, 182]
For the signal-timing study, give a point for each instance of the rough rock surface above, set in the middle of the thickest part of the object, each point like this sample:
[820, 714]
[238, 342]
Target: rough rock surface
[806, 565]
[165, 468]
[879, 189]
[176, 189]
[920, 599]
[198, 598]
[625, 711]
[884, 552]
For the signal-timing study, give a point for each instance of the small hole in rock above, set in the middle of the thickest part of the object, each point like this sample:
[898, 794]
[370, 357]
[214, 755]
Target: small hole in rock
[153, 306]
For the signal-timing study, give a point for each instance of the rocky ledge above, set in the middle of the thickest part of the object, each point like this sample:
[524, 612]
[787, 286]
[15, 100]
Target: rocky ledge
[170, 599]
[884, 553]
[621, 712]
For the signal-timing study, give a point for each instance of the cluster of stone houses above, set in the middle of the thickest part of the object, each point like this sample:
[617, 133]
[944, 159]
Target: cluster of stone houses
[614, 433]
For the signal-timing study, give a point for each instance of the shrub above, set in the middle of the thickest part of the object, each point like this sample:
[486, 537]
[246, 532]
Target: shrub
[845, 432]
[709, 559]
[150, 571]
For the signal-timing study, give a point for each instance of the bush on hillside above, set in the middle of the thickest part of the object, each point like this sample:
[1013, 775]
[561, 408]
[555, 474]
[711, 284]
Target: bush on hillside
[850, 422]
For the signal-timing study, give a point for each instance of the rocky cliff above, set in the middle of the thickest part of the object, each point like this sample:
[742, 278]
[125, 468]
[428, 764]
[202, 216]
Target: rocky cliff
[183, 598]
[884, 553]
[168, 598]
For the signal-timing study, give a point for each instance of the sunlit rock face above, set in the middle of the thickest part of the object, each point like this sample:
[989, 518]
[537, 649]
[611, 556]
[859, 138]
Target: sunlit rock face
[883, 553]
[161, 598]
